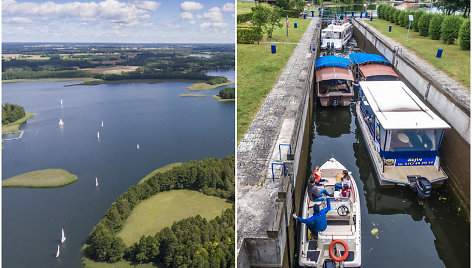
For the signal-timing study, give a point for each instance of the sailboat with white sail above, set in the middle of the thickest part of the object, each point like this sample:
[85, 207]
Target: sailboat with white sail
[101, 124]
[61, 103]
[98, 135]
[96, 182]
[58, 252]
[137, 146]
[63, 237]
[60, 122]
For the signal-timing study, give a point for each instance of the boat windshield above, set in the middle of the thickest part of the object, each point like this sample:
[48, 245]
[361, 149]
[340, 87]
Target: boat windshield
[415, 140]
[330, 35]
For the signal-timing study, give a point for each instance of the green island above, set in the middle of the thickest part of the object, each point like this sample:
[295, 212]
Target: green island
[15, 126]
[181, 215]
[191, 95]
[219, 99]
[46, 178]
[225, 94]
[205, 86]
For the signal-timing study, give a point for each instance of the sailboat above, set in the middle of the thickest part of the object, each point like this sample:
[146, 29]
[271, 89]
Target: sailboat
[137, 146]
[98, 135]
[102, 124]
[58, 252]
[96, 181]
[61, 102]
[63, 237]
[60, 122]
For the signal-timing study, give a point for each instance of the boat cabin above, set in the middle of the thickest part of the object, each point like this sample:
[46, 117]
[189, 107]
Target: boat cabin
[402, 133]
[334, 81]
[336, 35]
[372, 67]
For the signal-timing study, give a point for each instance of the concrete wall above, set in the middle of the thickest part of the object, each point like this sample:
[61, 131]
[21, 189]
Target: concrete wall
[448, 98]
[266, 230]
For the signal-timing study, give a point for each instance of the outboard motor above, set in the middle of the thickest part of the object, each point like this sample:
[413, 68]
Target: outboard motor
[420, 185]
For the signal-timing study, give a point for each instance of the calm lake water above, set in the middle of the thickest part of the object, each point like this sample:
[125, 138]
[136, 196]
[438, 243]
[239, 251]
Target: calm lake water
[433, 234]
[168, 128]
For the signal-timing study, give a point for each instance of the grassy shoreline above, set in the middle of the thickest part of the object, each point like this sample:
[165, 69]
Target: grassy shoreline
[191, 95]
[205, 86]
[15, 126]
[219, 99]
[45, 178]
[160, 170]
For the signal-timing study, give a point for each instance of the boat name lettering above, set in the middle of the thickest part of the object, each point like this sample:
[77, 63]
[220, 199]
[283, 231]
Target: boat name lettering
[414, 162]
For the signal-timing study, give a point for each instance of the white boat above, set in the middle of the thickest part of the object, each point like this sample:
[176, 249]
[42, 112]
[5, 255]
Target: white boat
[336, 35]
[63, 237]
[96, 181]
[58, 252]
[344, 226]
[98, 135]
[102, 124]
[61, 102]
[403, 136]
[60, 122]
[137, 146]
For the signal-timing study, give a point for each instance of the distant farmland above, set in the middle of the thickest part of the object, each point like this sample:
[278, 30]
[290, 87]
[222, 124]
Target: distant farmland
[111, 70]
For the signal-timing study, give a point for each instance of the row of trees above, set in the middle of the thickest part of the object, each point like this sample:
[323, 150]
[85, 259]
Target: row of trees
[227, 93]
[210, 176]
[265, 18]
[437, 26]
[11, 113]
[217, 80]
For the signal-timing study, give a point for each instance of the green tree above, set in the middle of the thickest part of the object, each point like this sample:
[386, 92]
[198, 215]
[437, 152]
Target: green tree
[401, 18]
[423, 24]
[435, 26]
[259, 19]
[464, 35]
[395, 15]
[416, 18]
[273, 20]
[450, 28]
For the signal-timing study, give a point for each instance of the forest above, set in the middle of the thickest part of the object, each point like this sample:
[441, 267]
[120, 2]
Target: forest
[159, 61]
[227, 93]
[192, 242]
[11, 113]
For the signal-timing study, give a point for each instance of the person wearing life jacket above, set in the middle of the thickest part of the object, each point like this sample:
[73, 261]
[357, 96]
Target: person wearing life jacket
[346, 191]
[317, 222]
[317, 176]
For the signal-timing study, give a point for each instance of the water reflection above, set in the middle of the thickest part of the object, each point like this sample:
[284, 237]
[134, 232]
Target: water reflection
[333, 121]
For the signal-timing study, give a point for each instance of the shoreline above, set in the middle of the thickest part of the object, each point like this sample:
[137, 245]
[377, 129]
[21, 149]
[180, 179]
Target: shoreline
[15, 126]
[205, 86]
[44, 178]
[219, 99]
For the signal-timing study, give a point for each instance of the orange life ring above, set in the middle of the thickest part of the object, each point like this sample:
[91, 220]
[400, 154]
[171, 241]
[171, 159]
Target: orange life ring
[331, 253]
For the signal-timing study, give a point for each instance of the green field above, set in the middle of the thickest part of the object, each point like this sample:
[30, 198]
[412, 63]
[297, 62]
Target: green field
[164, 208]
[294, 35]
[258, 70]
[244, 7]
[46, 178]
[15, 126]
[88, 263]
[454, 61]
[205, 86]
[160, 170]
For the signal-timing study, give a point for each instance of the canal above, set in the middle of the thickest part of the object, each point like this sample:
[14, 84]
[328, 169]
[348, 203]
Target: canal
[434, 233]
[169, 128]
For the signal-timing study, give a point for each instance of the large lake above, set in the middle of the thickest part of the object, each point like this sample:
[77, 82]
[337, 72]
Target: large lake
[168, 128]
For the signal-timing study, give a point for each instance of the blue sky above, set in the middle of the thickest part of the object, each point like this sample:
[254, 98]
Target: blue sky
[123, 21]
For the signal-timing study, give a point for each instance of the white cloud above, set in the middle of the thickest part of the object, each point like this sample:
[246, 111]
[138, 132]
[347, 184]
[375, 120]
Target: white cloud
[214, 14]
[186, 15]
[192, 22]
[111, 10]
[172, 25]
[212, 25]
[190, 6]
[18, 20]
[228, 7]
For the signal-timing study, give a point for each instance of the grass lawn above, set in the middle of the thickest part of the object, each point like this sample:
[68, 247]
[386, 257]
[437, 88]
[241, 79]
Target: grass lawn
[294, 35]
[88, 263]
[258, 70]
[163, 209]
[46, 178]
[245, 7]
[191, 95]
[205, 86]
[160, 170]
[219, 99]
[454, 61]
[15, 126]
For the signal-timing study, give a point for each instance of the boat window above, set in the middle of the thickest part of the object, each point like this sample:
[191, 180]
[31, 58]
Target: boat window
[415, 140]
[382, 138]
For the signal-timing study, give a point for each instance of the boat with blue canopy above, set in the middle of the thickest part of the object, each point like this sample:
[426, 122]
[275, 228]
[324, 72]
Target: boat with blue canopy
[372, 67]
[334, 80]
[402, 134]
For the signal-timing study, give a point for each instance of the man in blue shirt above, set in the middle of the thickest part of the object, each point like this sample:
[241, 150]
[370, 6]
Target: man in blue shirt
[317, 222]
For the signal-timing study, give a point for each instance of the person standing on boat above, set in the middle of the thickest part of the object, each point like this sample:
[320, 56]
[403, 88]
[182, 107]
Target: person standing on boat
[317, 176]
[338, 186]
[315, 194]
[317, 222]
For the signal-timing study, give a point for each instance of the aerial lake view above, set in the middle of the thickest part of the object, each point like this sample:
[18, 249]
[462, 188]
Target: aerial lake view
[145, 126]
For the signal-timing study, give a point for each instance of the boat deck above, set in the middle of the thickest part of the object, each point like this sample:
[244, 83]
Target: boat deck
[401, 173]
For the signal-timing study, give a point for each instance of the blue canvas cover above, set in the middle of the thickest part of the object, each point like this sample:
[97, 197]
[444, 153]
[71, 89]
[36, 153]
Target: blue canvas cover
[360, 58]
[332, 61]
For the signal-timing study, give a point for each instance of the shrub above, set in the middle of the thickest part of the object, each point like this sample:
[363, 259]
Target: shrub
[246, 35]
[450, 29]
[435, 26]
[380, 11]
[406, 19]
[423, 24]
[464, 35]
[241, 18]
[291, 13]
[416, 18]
[388, 12]
[401, 18]
[395, 15]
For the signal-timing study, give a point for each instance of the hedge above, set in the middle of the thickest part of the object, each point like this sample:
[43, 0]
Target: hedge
[394, 17]
[401, 18]
[291, 13]
[416, 18]
[464, 35]
[246, 35]
[423, 24]
[241, 18]
[435, 26]
[450, 29]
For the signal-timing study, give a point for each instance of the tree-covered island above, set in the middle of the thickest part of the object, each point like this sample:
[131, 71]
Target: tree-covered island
[13, 116]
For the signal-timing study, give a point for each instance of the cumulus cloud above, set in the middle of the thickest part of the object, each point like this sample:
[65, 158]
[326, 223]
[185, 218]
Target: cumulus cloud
[186, 15]
[212, 25]
[192, 22]
[190, 6]
[111, 10]
[172, 25]
[18, 20]
[213, 14]
[228, 7]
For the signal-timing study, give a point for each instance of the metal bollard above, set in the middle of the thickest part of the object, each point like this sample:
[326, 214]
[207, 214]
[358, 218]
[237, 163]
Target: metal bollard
[371, 18]
[313, 13]
[304, 16]
[272, 47]
[295, 25]
[361, 15]
[390, 28]
[439, 53]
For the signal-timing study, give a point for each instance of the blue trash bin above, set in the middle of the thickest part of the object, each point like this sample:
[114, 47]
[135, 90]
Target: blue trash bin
[353, 14]
[361, 15]
[304, 16]
[370, 18]
[439, 54]
[313, 13]
[390, 28]
[295, 25]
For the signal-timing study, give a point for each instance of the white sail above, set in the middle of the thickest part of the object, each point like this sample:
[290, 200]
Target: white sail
[137, 146]
[61, 102]
[58, 252]
[96, 181]
[98, 135]
[63, 237]
[60, 122]
[102, 124]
